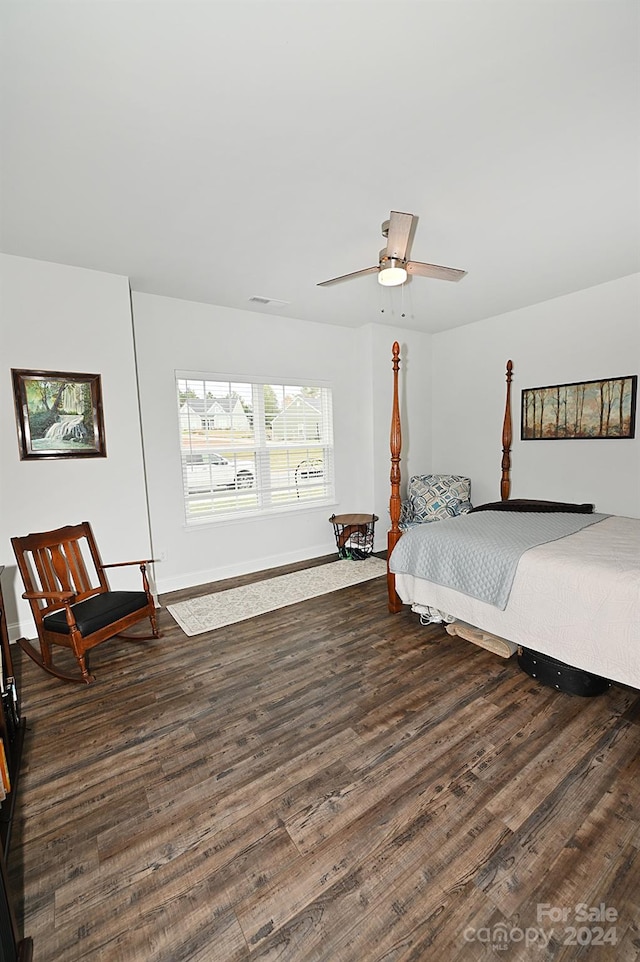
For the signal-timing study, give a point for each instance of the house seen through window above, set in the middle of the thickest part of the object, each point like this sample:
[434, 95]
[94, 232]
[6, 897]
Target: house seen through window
[251, 448]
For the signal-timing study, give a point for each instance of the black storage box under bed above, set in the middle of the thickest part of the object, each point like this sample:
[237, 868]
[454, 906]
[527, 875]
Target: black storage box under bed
[550, 671]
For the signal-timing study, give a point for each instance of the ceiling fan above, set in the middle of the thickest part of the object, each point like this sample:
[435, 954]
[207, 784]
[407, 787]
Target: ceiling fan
[393, 267]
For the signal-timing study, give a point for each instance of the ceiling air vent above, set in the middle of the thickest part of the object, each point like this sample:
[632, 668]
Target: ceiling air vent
[272, 301]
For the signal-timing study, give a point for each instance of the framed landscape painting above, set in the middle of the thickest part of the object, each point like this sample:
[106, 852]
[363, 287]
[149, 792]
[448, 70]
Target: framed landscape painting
[586, 409]
[58, 415]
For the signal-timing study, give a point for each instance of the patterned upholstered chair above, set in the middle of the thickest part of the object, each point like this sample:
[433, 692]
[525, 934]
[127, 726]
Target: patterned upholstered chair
[434, 497]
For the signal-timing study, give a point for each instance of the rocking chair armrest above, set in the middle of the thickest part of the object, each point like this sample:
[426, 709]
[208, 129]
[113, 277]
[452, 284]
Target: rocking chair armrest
[121, 564]
[52, 595]
[143, 569]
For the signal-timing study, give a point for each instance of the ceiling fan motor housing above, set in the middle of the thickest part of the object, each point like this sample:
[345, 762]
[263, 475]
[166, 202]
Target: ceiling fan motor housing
[385, 261]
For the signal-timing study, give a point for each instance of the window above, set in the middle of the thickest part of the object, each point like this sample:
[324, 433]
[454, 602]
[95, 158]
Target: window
[251, 448]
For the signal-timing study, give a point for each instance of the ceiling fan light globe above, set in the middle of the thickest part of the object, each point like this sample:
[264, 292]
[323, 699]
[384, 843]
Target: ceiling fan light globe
[392, 276]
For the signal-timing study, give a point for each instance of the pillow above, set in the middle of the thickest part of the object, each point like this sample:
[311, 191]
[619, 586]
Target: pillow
[434, 497]
[525, 504]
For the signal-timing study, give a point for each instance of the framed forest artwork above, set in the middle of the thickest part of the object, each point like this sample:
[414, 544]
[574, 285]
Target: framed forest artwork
[586, 409]
[58, 415]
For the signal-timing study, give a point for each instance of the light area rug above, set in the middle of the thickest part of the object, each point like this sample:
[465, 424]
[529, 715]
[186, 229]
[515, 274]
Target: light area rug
[238, 604]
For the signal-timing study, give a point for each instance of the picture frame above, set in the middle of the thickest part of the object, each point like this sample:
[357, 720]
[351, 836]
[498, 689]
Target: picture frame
[603, 409]
[58, 415]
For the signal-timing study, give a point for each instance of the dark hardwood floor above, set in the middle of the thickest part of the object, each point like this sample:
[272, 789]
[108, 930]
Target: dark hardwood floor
[327, 782]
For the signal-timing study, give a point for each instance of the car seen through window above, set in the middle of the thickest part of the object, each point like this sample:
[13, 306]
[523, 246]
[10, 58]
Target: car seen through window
[209, 471]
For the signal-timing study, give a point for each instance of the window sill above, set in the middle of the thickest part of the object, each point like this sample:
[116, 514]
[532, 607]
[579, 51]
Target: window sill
[253, 516]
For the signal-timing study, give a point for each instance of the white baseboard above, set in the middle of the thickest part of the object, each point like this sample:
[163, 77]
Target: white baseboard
[193, 579]
[22, 629]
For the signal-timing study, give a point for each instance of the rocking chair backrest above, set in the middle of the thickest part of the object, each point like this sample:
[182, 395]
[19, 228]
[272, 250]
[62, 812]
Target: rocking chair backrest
[57, 561]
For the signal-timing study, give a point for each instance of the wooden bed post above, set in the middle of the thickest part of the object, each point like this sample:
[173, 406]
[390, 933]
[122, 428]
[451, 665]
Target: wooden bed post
[395, 501]
[505, 481]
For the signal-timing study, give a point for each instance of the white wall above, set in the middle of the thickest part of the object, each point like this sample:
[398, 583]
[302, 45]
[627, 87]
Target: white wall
[585, 336]
[172, 335]
[59, 318]
[56, 317]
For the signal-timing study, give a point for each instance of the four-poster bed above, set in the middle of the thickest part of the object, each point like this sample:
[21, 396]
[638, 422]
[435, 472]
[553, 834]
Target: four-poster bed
[570, 585]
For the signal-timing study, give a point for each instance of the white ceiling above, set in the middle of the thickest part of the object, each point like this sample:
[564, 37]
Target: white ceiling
[219, 150]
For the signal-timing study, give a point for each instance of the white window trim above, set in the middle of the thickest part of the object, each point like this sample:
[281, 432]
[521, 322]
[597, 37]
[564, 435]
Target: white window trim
[261, 450]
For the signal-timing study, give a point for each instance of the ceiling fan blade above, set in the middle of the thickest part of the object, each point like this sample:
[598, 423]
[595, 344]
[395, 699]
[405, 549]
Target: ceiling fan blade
[344, 277]
[433, 270]
[398, 236]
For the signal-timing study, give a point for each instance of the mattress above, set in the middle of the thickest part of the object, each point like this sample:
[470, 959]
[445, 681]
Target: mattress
[576, 599]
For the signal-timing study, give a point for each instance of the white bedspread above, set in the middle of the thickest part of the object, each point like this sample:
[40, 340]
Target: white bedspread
[576, 599]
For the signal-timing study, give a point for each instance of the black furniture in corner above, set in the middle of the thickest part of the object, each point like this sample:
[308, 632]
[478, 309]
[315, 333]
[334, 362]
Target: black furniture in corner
[12, 728]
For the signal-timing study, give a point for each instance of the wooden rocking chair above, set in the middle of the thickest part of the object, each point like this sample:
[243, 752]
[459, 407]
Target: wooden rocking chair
[70, 598]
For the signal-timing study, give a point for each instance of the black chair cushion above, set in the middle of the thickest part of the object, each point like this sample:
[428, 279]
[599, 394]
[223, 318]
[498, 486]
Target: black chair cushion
[97, 612]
